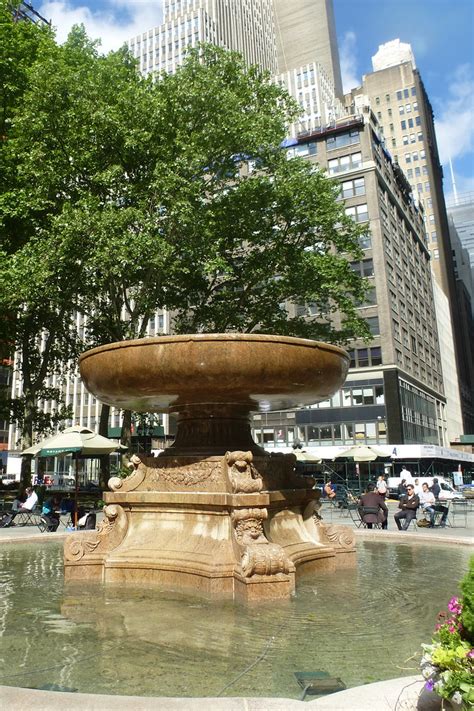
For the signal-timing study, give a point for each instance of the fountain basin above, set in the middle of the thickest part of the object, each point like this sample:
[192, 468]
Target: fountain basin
[169, 373]
[214, 512]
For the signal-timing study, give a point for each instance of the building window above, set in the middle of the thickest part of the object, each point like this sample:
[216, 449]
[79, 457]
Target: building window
[358, 213]
[373, 324]
[343, 139]
[401, 110]
[345, 163]
[399, 95]
[387, 98]
[351, 188]
[303, 150]
[364, 268]
[403, 125]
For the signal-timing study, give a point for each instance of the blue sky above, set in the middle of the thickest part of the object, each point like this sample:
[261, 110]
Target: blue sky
[441, 33]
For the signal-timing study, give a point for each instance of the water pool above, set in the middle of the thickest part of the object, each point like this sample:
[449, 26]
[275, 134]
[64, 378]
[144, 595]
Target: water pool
[361, 625]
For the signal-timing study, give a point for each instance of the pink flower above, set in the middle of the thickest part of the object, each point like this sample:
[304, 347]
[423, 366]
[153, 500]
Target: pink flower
[471, 654]
[455, 606]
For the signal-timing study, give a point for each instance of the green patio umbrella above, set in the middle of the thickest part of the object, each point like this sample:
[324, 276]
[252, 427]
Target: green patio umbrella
[78, 441]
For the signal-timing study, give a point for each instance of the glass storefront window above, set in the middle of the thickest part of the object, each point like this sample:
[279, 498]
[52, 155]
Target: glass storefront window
[346, 398]
[370, 431]
[368, 396]
[359, 429]
[357, 396]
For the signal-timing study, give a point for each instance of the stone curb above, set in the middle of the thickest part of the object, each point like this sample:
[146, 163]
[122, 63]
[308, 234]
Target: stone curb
[408, 536]
[390, 695]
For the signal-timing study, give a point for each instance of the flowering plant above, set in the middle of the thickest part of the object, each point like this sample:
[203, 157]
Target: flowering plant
[448, 663]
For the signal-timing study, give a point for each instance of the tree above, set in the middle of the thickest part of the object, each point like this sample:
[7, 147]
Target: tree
[176, 195]
[165, 208]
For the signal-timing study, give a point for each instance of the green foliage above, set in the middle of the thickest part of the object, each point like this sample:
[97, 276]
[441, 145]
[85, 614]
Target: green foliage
[152, 181]
[467, 615]
[124, 196]
[448, 663]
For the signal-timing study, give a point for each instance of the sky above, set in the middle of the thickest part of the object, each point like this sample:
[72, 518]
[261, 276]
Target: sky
[441, 33]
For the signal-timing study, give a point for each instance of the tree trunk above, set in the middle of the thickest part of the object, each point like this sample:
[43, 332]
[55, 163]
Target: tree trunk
[104, 459]
[126, 435]
[27, 441]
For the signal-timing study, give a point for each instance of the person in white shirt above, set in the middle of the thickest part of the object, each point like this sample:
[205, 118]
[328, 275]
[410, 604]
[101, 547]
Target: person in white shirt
[381, 486]
[405, 474]
[28, 505]
[31, 500]
[427, 502]
[417, 487]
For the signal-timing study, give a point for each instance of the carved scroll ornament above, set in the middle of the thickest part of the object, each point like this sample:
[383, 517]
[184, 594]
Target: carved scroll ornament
[243, 476]
[258, 557]
[107, 536]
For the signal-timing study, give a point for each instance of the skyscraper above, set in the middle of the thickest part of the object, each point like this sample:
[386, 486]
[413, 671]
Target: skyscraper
[396, 94]
[305, 31]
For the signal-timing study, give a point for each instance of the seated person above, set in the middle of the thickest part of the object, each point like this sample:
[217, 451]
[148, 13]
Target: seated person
[330, 490]
[67, 505]
[86, 519]
[438, 494]
[427, 502]
[50, 513]
[18, 501]
[28, 505]
[374, 501]
[408, 504]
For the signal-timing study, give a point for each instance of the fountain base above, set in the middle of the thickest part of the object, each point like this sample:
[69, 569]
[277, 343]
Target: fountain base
[239, 526]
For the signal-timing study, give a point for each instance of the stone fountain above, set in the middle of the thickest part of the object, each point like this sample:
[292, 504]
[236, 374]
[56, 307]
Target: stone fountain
[214, 512]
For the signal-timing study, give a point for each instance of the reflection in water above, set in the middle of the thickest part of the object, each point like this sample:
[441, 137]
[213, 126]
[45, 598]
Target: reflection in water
[143, 641]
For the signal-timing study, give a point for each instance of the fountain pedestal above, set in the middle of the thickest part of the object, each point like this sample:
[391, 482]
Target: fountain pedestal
[214, 512]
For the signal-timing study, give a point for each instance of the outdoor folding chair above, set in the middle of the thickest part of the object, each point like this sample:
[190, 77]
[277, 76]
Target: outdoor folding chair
[457, 515]
[28, 518]
[364, 511]
[353, 509]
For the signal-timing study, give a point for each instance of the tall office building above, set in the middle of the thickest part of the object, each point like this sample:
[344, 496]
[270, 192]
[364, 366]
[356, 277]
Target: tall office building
[242, 25]
[396, 94]
[461, 210]
[305, 30]
[394, 392]
[281, 37]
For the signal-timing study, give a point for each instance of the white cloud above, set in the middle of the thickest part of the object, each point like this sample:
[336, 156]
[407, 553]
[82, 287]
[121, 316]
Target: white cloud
[455, 123]
[348, 58]
[113, 22]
